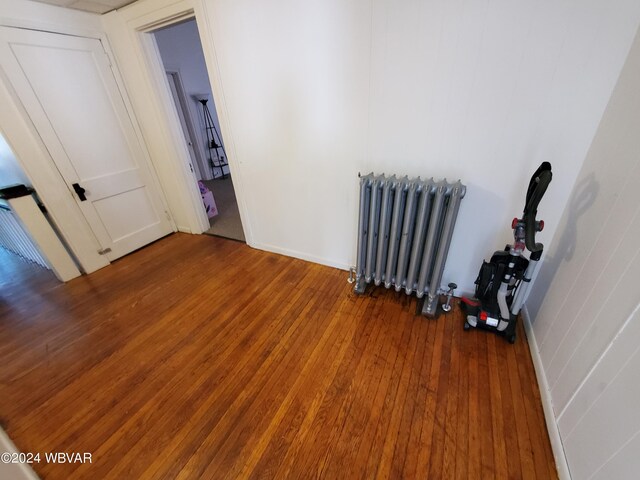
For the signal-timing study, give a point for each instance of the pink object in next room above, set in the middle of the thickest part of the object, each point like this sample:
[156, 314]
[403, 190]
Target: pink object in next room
[209, 201]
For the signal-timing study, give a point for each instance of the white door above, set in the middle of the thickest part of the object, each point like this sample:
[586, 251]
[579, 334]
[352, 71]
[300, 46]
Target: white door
[68, 90]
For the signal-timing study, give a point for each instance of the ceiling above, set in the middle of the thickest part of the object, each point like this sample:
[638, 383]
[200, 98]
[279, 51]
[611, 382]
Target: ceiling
[93, 6]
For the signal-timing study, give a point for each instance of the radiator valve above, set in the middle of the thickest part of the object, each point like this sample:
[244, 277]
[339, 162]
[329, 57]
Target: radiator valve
[447, 306]
[352, 272]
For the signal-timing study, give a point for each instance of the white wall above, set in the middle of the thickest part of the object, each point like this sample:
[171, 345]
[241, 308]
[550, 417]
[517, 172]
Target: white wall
[10, 169]
[311, 93]
[588, 324]
[486, 91]
[295, 79]
[319, 91]
[181, 50]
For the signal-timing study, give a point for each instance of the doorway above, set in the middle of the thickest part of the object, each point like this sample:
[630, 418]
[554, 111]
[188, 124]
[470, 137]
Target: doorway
[188, 81]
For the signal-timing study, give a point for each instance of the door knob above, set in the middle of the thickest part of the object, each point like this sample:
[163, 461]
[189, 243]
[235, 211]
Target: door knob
[79, 191]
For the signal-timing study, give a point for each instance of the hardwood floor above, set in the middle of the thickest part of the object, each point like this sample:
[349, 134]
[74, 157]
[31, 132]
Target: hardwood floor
[199, 357]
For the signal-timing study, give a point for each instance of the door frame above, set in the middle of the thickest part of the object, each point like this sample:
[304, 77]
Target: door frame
[181, 101]
[132, 28]
[163, 93]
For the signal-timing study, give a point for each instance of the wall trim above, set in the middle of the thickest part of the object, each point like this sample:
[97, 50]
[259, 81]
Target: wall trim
[547, 403]
[301, 255]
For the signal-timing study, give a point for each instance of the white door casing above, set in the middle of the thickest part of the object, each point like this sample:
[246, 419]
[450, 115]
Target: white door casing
[66, 85]
[179, 100]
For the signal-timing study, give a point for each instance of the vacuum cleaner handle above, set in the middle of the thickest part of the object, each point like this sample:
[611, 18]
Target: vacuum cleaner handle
[537, 187]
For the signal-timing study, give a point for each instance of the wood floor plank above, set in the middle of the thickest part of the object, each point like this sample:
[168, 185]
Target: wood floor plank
[543, 456]
[278, 396]
[400, 451]
[213, 372]
[319, 412]
[371, 458]
[296, 417]
[476, 449]
[485, 410]
[385, 467]
[198, 357]
[520, 412]
[359, 414]
[321, 460]
[509, 420]
[409, 466]
[225, 405]
[427, 426]
[462, 452]
[369, 444]
[440, 418]
[498, 413]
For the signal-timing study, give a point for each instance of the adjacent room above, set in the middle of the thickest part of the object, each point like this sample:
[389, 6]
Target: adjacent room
[365, 239]
[184, 64]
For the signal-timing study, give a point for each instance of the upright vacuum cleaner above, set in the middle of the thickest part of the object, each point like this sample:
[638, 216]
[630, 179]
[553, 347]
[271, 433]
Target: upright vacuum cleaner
[503, 283]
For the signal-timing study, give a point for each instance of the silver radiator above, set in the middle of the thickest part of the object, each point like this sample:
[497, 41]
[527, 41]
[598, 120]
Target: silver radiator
[404, 232]
[14, 238]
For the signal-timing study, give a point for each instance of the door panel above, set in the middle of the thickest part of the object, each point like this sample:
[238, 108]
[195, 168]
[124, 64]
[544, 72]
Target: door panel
[68, 89]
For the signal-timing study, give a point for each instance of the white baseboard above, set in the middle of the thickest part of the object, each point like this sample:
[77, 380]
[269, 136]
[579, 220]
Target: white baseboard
[301, 255]
[19, 471]
[547, 404]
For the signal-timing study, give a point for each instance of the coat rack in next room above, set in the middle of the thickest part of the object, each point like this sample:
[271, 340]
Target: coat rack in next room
[214, 141]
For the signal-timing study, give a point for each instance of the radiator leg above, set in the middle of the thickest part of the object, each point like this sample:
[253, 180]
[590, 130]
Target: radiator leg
[430, 307]
[360, 286]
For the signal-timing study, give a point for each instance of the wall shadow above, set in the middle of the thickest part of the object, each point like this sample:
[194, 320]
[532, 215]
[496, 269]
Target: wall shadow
[562, 250]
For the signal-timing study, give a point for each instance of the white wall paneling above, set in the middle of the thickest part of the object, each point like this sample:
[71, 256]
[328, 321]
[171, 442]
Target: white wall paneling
[586, 301]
